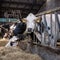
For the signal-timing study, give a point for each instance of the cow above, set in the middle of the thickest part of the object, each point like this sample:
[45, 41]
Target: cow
[17, 34]
[31, 20]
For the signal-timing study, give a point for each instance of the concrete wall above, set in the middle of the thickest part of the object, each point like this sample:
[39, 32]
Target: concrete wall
[50, 4]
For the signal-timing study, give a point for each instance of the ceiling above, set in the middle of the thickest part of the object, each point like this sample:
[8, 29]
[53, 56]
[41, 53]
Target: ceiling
[22, 7]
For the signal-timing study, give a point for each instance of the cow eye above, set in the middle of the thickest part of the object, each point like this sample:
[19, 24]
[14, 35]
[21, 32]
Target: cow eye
[24, 20]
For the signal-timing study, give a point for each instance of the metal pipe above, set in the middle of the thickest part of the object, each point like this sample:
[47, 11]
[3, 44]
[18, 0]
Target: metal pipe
[47, 12]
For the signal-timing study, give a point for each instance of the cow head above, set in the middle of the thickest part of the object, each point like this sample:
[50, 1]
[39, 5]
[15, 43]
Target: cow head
[30, 21]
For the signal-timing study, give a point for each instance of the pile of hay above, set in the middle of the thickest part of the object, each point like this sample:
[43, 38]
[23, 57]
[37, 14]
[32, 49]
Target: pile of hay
[3, 42]
[14, 53]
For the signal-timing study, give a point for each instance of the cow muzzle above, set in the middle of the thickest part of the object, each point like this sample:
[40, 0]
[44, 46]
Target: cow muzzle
[30, 30]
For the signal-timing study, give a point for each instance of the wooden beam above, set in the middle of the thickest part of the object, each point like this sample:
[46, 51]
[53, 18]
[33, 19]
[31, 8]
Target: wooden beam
[16, 8]
[20, 3]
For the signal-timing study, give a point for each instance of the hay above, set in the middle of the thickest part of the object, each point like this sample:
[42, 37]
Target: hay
[17, 54]
[3, 42]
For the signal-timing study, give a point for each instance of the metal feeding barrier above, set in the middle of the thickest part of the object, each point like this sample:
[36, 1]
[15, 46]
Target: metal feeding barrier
[51, 33]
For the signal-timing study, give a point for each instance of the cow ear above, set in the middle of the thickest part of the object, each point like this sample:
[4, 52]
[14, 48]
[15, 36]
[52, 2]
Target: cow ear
[38, 19]
[24, 20]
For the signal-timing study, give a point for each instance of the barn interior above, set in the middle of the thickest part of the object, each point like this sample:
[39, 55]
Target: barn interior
[39, 47]
[15, 8]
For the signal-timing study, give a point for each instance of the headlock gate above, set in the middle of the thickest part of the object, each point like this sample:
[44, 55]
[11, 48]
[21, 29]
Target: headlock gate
[47, 31]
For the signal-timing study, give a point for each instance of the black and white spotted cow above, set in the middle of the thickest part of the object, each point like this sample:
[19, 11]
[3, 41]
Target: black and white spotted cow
[17, 34]
[31, 21]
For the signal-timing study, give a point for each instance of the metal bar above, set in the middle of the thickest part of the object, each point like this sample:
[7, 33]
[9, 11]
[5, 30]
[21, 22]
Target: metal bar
[16, 8]
[34, 34]
[57, 30]
[44, 29]
[51, 23]
[47, 12]
[57, 19]
[41, 30]
[20, 15]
